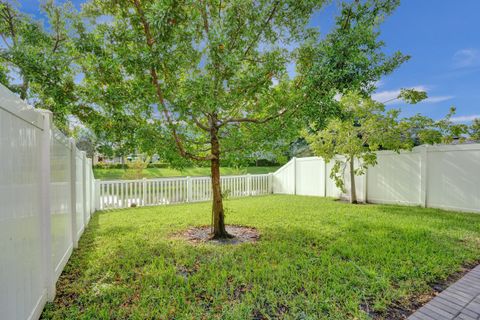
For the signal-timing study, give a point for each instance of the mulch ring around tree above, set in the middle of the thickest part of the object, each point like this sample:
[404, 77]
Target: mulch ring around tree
[203, 234]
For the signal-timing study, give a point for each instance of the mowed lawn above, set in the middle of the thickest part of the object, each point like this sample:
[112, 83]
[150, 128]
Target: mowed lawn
[150, 173]
[317, 259]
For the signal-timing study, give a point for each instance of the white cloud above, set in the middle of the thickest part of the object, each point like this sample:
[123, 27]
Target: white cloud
[466, 58]
[465, 118]
[390, 96]
[387, 95]
[436, 99]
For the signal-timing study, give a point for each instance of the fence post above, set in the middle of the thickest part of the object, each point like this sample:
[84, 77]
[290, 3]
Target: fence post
[144, 191]
[325, 178]
[294, 162]
[46, 230]
[73, 190]
[86, 216]
[424, 176]
[270, 182]
[189, 189]
[92, 187]
[249, 184]
[97, 195]
[365, 176]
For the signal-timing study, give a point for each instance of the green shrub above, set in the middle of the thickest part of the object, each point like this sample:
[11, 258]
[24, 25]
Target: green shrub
[158, 165]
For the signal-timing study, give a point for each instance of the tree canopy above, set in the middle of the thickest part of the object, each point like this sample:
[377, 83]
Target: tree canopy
[425, 130]
[37, 63]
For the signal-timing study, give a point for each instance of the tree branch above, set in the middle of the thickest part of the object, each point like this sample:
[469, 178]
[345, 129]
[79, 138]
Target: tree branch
[199, 124]
[270, 17]
[203, 10]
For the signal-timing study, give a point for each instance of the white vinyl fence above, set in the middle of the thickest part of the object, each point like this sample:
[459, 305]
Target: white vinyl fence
[440, 176]
[151, 192]
[46, 190]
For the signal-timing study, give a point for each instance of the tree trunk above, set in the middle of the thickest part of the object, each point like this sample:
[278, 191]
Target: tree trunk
[219, 231]
[353, 192]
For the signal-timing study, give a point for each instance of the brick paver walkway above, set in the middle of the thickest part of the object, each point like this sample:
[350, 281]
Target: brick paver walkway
[460, 301]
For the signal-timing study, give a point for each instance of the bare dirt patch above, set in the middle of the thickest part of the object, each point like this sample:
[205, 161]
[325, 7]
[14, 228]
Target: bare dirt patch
[202, 234]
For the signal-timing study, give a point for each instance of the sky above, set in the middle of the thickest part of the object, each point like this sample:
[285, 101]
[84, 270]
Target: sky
[441, 36]
[443, 39]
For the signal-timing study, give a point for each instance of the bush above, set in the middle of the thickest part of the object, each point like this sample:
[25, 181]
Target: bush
[103, 165]
[264, 163]
[158, 165]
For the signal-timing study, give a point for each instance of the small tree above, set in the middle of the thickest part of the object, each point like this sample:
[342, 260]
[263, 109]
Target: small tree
[136, 167]
[364, 128]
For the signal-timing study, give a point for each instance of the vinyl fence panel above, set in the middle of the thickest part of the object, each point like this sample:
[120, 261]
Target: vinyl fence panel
[310, 176]
[22, 290]
[37, 224]
[61, 214]
[396, 178]
[454, 177]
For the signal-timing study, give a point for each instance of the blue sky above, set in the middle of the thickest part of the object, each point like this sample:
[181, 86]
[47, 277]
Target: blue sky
[443, 38]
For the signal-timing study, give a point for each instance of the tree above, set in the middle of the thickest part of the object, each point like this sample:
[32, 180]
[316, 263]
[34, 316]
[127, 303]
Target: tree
[365, 127]
[425, 130]
[474, 130]
[207, 80]
[39, 64]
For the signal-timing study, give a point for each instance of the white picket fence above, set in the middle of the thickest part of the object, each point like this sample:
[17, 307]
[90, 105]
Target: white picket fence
[46, 199]
[151, 192]
[440, 176]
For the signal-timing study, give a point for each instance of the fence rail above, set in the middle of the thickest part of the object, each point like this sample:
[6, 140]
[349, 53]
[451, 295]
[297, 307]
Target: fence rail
[151, 192]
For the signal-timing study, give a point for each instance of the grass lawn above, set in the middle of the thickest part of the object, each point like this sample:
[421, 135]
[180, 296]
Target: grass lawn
[116, 174]
[316, 259]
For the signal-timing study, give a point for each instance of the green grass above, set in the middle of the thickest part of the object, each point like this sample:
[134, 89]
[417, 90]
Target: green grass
[115, 174]
[317, 259]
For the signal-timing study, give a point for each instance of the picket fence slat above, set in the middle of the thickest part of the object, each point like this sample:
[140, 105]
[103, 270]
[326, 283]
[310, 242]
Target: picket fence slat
[164, 191]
